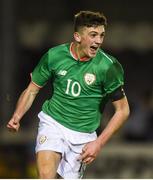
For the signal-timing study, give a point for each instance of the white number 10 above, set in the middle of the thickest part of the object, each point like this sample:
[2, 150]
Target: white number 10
[74, 86]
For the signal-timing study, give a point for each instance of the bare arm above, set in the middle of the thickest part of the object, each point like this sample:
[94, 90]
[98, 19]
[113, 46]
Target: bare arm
[91, 150]
[24, 103]
[121, 114]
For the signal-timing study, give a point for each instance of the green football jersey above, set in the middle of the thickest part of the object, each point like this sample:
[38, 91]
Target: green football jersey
[81, 88]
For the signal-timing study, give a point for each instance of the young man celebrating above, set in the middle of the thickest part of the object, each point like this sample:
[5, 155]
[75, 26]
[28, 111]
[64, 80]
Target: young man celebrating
[84, 79]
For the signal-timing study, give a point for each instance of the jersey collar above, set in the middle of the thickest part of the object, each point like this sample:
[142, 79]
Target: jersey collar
[74, 55]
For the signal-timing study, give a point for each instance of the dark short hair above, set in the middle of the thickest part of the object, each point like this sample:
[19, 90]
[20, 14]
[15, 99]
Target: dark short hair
[89, 19]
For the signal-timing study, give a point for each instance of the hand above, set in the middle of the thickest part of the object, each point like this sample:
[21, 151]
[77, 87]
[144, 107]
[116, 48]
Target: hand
[13, 125]
[90, 152]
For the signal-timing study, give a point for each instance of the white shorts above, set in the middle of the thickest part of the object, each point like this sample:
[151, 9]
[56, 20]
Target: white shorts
[55, 137]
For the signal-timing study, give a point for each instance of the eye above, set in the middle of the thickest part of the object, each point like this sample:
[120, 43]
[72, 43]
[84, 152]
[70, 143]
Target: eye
[93, 35]
[102, 35]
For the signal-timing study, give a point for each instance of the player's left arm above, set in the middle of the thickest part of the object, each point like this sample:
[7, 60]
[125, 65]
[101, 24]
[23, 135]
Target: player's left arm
[120, 116]
[91, 150]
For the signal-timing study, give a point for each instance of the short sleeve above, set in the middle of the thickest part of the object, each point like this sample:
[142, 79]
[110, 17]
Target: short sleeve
[114, 77]
[41, 73]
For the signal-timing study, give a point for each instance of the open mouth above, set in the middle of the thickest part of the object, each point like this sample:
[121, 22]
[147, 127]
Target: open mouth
[94, 48]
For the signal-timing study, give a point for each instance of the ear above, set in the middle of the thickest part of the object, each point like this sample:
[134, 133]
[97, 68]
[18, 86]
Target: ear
[77, 37]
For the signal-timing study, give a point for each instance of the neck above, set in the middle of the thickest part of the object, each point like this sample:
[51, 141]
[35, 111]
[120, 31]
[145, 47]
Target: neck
[76, 52]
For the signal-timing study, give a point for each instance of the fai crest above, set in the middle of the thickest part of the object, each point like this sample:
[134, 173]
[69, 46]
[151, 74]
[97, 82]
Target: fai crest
[42, 139]
[89, 78]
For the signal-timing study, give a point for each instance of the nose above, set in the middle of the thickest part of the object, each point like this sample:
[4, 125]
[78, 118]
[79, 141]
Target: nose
[99, 40]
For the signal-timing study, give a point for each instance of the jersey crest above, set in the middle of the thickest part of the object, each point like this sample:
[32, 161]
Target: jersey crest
[89, 78]
[42, 139]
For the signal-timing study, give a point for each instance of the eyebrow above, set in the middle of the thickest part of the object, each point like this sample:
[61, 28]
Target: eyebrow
[103, 33]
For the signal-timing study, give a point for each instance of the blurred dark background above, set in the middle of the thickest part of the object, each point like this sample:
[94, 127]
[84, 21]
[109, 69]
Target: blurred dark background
[27, 29]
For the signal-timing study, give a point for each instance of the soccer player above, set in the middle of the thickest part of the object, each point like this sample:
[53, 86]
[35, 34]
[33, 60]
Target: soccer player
[84, 79]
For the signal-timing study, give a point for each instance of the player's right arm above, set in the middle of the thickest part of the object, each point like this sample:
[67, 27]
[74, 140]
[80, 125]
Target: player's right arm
[23, 105]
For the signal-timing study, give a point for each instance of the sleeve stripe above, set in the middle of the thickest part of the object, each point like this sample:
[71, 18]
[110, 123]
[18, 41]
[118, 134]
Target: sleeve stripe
[34, 82]
[107, 56]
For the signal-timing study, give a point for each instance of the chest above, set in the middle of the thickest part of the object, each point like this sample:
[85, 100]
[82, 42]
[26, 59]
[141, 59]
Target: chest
[85, 73]
[78, 78]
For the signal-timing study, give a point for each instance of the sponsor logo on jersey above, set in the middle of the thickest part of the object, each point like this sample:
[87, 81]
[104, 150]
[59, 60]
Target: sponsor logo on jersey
[42, 139]
[62, 72]
[89, 78]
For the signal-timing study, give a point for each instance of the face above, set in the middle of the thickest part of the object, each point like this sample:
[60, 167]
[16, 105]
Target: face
[90, 39]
